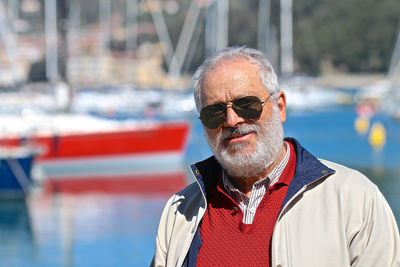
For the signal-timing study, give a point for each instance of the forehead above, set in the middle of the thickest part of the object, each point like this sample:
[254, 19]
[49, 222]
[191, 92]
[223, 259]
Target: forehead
[230, 79]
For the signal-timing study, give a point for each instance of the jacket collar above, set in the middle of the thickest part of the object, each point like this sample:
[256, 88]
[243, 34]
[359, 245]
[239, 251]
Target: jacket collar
[308, 169]
[206, 173]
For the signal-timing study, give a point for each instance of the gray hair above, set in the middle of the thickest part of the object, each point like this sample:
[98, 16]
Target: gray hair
[267, 73]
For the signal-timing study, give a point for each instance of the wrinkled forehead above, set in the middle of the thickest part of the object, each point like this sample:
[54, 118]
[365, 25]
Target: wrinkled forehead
[230, 79]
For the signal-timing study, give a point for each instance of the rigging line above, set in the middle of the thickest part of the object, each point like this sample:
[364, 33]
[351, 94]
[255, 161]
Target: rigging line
[19, 173]
[185, 38]
[162, 30]
[395, 60]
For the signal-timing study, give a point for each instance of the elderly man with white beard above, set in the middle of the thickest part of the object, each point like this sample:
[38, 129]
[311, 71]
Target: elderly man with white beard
[262, 199]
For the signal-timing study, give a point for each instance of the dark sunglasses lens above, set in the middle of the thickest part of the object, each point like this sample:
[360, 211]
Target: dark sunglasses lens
[212, 116]
[249, 107]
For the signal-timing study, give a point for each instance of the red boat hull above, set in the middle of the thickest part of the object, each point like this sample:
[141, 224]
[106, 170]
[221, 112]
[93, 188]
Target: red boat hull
[149, 138]
[143, 158]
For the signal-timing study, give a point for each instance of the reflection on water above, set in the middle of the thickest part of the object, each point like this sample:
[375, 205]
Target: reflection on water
[16, 236]
[100, 229]
[79, 230]
[331, 134]
[119, 229]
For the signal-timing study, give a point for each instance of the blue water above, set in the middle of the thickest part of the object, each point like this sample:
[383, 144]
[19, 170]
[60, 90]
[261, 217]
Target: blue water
[330, 134]
[81, 230]
[119, 230]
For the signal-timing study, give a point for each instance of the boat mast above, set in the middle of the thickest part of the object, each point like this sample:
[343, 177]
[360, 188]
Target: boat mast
[74, 32]
[13, 15]
[131, 40]
[9, 44]
[216, 26]
[131, 24]
[263, 27]
[105, 29]
[62, 29]
[394, 69]
[210, 29]
[286, 37]
[51, 40]
[222, 24]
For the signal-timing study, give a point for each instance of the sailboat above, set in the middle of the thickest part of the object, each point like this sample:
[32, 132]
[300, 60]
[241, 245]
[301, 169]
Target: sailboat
[78, 152]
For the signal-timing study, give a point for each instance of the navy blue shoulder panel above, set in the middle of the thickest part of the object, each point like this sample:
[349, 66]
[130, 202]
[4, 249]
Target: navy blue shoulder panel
[308, 169]
[206, 173]
[191, 257]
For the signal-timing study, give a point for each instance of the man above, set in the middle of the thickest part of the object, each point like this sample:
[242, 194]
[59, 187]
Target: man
[263, 200]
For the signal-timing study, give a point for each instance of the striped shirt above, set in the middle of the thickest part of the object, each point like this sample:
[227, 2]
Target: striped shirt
[249, 205]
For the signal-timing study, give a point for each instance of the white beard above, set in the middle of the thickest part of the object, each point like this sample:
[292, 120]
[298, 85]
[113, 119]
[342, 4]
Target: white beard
[238, 163]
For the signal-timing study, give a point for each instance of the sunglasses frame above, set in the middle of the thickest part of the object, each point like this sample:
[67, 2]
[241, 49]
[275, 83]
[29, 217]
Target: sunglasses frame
[235, 109]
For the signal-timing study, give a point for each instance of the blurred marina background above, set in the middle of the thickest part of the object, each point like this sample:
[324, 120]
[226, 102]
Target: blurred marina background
[98, 124]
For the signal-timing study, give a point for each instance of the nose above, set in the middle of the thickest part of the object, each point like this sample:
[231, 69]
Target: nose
[232, 119]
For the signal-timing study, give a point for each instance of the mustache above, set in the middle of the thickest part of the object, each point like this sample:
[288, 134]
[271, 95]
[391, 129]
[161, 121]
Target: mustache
[240, 129]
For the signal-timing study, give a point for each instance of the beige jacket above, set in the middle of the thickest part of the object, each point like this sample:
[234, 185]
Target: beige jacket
[340, 219]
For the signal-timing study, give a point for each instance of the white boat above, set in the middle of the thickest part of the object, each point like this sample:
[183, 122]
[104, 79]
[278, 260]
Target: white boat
[303, 95]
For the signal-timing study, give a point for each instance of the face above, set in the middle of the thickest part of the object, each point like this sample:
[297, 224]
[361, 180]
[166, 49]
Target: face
[243, 147]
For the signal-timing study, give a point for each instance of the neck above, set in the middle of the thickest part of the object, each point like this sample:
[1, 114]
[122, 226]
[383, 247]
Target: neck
[245, 184]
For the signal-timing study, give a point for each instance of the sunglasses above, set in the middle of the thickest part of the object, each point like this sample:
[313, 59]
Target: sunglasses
[248, 107]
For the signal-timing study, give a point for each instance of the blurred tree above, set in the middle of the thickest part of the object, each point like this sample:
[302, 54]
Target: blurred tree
[243, 23]
[355, 36]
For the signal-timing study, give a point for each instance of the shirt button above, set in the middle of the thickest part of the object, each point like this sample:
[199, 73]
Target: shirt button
[252, 210]
[279, 265]
[235, 210]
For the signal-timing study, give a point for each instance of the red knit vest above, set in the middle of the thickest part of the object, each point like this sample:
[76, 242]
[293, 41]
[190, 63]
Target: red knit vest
[226, 241]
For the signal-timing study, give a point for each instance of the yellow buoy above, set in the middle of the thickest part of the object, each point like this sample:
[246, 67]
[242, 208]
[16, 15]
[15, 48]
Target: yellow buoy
[377, 136]
[362, 125]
